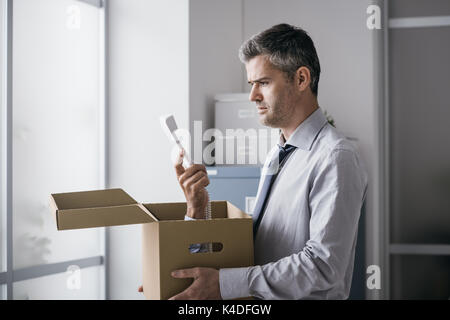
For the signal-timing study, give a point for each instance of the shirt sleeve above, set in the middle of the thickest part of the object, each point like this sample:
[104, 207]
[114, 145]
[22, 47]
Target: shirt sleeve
[336, 196]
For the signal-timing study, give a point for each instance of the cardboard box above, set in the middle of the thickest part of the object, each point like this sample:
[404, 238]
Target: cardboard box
[166, 236]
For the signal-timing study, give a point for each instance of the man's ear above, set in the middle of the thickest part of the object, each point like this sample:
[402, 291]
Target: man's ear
[303, 78]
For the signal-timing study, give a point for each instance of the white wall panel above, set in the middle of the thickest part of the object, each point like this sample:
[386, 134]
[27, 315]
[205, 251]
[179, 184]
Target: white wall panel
[148, 49]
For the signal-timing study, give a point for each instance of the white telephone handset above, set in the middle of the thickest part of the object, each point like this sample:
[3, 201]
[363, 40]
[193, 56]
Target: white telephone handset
[170, 126]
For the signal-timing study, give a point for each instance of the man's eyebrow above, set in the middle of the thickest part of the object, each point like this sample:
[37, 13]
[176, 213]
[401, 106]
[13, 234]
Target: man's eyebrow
[259, 80]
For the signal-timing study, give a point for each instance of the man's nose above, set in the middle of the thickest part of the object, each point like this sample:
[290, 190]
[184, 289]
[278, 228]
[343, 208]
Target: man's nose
[255, 94]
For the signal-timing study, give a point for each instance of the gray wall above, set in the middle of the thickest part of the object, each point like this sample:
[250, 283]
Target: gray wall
[215, 34]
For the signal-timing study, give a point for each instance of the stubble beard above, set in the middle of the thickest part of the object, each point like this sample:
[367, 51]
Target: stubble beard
[277, 115]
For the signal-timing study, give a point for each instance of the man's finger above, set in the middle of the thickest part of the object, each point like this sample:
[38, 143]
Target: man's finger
[190, 181]
[192, 171]
[180, 274]
[204, 182]
[199, 185]
[185, 273]
[179, 169]
[194, 168]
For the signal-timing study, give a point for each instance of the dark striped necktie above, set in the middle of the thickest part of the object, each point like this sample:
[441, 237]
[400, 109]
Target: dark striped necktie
[267, 185]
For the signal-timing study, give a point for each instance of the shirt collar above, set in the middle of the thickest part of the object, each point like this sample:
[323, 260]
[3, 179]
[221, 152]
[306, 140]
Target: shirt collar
[304, 135]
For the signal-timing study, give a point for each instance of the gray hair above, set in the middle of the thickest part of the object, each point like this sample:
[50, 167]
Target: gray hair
[288, 48]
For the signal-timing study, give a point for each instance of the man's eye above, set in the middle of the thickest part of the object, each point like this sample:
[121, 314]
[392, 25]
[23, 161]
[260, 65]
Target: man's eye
[259, 83]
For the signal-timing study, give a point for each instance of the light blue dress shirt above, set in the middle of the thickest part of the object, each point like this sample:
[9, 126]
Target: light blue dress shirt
[305, 244]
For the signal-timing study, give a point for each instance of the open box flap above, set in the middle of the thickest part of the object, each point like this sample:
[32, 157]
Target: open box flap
[92, 199]
[99, 208]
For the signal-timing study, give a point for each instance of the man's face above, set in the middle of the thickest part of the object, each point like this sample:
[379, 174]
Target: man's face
[273, 93]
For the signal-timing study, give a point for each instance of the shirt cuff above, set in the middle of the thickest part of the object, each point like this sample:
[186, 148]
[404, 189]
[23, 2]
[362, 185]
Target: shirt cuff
[234, 283]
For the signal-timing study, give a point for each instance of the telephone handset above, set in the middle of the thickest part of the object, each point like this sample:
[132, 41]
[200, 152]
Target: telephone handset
[170, 126]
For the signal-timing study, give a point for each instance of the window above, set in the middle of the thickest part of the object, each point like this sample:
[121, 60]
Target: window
[53, 142]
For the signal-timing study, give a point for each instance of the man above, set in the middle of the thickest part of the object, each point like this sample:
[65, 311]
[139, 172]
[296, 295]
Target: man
[311, 191]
